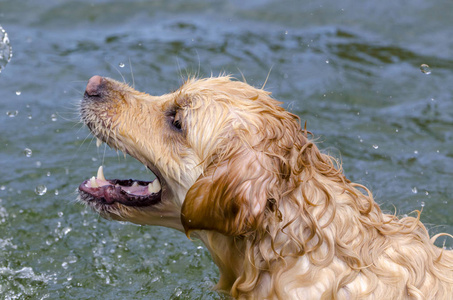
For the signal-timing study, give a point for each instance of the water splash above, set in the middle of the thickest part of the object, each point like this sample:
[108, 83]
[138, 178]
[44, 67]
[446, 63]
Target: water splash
[24, 273]
[12, 113]
[5, 49]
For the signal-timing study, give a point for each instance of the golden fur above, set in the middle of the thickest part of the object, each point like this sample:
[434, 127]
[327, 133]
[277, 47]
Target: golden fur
[278, 216]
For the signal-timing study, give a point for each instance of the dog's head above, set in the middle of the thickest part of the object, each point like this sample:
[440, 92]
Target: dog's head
[217, 146]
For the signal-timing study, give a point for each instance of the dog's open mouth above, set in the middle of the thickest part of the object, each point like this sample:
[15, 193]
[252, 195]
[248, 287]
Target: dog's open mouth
[99, 190]
[106, 195]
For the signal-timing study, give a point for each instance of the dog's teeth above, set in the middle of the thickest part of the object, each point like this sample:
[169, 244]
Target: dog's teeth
[135, 184]
[100, 173]
[98, 142]
[154, 187]
[156, 184]
[93, 182]
[151, 188]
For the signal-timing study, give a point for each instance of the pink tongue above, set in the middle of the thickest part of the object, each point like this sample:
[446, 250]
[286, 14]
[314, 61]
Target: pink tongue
[109, 189]
[138, 190]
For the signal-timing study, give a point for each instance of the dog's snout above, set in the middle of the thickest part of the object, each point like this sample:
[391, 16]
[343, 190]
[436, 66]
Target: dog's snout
[94, 86]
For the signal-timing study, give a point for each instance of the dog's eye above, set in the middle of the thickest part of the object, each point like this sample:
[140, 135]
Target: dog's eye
[175, 119]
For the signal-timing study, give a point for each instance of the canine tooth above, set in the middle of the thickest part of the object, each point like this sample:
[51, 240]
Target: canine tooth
[101, 173]
[135, 184]
[154, 186]
[98, 142]
[93, 182]
[151, 188]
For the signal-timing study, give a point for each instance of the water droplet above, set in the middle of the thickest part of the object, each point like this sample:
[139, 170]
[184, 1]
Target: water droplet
[53, 117]
[375, 146]
[48, 174]
[30, 117]
[38, 164]
[121, 65]
[426, 193]
[425, 69]
[414, 190]
[28, 152]
[2, 188]
[56, 192]
[422, 204]
[18, 93]
[12, 113]
[327, 61]
[41, 190]
[415, 151]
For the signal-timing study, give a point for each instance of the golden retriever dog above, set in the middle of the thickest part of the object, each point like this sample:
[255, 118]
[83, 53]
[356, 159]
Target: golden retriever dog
[278, 216]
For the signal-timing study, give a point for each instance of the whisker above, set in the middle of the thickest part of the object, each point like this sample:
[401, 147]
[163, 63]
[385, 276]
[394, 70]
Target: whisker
[132, 73]
[77, 91]
[119, 72]
[179, 70]
[199, 65]
[242, 75]
[80, 146]
[267, 77]
[103, 156]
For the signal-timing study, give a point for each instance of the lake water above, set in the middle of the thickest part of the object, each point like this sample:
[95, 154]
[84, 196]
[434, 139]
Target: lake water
[351, 69]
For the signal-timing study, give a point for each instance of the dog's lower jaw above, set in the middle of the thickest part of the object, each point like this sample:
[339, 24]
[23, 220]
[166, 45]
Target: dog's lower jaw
[161, 215]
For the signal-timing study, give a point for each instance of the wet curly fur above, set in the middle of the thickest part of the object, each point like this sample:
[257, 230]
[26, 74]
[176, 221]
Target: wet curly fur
[278, 216]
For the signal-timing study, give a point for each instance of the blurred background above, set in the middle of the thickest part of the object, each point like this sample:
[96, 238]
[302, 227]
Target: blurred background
[373, 80]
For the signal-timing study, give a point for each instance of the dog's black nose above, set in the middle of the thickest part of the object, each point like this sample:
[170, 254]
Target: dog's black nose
[94, 86]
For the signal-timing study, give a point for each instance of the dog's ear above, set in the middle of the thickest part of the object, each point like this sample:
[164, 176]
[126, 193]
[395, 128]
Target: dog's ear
[249, 170]
[230, 196]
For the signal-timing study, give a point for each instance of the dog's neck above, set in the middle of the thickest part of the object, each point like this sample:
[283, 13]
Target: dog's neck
[230, 263]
